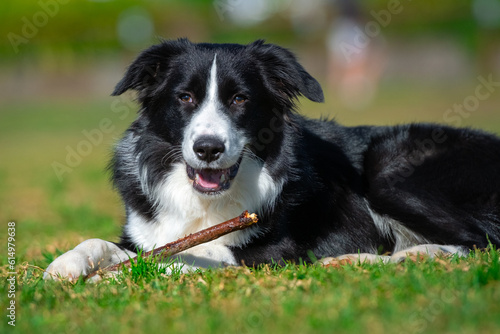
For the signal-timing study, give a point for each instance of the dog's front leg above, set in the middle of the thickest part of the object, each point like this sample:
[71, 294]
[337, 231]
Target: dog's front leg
[204, 256]
[86, 258]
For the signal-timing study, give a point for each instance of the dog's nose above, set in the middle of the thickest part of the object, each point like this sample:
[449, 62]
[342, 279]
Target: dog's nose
[208, 148]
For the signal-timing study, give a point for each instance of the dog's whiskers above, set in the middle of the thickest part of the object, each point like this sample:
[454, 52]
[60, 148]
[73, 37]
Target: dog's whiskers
[175, 153]
[251, 155]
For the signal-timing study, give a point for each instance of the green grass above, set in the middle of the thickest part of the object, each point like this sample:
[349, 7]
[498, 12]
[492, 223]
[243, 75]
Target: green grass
[457, 295]
[52, 216]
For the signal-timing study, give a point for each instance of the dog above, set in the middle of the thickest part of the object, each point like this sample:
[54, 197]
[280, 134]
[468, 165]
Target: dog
[218, 133]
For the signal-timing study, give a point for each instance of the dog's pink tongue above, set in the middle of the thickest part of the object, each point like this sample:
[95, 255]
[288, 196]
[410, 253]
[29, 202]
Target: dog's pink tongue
[209, 179]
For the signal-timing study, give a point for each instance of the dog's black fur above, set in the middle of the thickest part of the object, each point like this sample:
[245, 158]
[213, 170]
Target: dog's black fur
[421, 181]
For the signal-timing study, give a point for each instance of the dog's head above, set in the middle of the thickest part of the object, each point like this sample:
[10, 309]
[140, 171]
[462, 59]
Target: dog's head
[218, 102]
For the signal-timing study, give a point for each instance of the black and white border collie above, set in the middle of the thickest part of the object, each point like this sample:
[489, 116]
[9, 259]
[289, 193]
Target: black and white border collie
[217, 134]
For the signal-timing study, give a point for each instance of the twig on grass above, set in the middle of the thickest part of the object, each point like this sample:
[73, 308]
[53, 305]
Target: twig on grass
[238, 223]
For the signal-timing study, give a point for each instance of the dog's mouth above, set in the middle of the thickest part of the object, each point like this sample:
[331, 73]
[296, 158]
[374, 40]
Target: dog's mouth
[212, 181]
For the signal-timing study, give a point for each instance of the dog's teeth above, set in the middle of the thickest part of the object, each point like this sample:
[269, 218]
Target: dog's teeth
[222, 178]
[197, 177]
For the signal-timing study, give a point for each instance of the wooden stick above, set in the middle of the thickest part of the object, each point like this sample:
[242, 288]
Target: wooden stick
[238, 223]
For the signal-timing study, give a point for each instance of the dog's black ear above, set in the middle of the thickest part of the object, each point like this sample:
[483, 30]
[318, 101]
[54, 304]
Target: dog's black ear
[148, 71]
[283, 75]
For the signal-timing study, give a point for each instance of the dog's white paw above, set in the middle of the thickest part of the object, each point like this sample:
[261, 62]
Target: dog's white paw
[207, 256]
[414, 253]
[70, 265]
[88, 257]
[353, 258]
[430, 250]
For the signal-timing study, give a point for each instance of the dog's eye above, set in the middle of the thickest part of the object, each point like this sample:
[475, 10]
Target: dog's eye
[186, 98]
[239, 99]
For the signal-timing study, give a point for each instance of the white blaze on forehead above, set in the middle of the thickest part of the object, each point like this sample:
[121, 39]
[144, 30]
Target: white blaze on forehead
[212, 85]
[209, 120]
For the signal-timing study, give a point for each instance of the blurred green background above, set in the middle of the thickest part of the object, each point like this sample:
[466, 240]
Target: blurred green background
[380, 62]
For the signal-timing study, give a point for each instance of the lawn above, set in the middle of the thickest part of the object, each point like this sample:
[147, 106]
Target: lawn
[54, 211]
